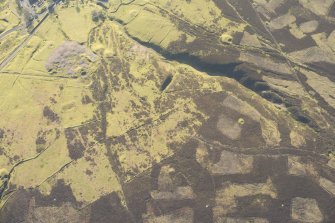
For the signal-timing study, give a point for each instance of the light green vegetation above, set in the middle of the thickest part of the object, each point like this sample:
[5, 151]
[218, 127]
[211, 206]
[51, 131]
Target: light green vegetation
[50, 36]
[8, 17]
[160, 21]
[10, 42]
[128, 122]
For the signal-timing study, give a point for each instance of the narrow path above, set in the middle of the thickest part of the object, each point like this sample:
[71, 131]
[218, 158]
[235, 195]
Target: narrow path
[279, 48]
[6, 33]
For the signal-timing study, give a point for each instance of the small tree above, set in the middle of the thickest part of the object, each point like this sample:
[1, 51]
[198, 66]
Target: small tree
[27, 17]
[97, 16]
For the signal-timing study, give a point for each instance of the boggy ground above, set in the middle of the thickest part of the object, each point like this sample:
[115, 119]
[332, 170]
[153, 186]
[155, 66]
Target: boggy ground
[140, 111]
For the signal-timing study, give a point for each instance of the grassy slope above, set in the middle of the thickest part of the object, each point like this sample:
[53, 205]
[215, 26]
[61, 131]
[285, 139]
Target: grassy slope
[134, 76]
